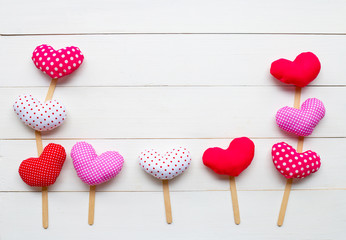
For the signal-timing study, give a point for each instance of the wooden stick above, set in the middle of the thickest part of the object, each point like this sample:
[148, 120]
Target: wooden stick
[39, 147]
[91, 205]
[167, 201]
[288, 186]
[51, 89]
[45, 207]
[234, 200]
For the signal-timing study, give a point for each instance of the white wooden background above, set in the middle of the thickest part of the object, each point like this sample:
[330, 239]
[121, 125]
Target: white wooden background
[174, 72]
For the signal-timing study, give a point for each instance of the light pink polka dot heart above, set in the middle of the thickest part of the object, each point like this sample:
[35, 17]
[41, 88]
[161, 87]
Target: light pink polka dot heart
[167, 165]
[292, 164]
[57, 63]
[39, 116]
[95, 169]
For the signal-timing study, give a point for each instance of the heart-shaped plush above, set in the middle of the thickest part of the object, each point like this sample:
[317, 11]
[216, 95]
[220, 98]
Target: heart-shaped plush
[93, 169]
[303, 70]
[233, 160]
[57, 63]
[292, 164]
[167, 165]
[39, 116]
[44, 170]
[301, 121]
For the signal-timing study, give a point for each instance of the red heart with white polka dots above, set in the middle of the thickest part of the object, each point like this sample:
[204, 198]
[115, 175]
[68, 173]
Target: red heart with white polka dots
[57, 63]
[165, 166]
[292, 164]
[39, 116]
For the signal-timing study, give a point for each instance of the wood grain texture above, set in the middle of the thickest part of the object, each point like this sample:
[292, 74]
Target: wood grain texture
[173, 112]
[178, 59]
[197, 215]
[172, 16]
[166, 73]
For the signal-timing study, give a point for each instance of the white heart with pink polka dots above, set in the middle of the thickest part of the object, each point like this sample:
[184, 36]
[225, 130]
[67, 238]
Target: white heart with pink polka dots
[39, 116]
[57, 63]
[165, 166]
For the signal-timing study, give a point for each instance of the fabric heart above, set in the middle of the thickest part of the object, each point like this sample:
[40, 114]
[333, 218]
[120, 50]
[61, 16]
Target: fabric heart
[301, 121]
[303, 70]
[93, 169]
[57, 63]
[44, 170]
[39, 116]
[233, 160]
[165, 166]
[292, 164]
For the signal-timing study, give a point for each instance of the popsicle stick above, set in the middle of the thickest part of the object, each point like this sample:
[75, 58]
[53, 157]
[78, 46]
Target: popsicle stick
[39, 147]
[51, 89]
[45, 207]
[234, 200]
[167, 201]
[288, 186]
[91, 205]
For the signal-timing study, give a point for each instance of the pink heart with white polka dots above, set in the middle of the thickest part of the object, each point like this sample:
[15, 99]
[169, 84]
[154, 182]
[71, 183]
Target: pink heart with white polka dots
[57, 63]
[167, 165]
[292, 164]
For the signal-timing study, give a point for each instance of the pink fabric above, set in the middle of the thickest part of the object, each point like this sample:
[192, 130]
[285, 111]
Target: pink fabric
[292, 164]
[301, 121]
[93, 169]
[57, 63]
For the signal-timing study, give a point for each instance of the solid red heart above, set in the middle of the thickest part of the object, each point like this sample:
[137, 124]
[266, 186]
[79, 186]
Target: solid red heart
[303, 70]
[292, 164]
[44, 170]
[233, 160]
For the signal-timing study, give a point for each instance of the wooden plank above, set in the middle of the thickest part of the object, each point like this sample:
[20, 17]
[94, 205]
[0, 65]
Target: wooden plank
[261, 175]
[197, 215]
[186, 60]
[173, 112]
[182, 16]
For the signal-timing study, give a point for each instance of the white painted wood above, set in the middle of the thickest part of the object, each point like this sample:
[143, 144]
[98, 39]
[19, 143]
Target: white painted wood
[173, 112]
[142, 60]
[196, 215]
[172, 16]
[261, 175]
[137, 89]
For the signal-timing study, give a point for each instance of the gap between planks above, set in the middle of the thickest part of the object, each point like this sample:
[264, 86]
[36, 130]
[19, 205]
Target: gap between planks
[181, 191]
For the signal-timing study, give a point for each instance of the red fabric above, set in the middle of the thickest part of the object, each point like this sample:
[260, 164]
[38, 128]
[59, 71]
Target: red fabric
[292, 164]
[44, 170]
[233, 160]
[303, 70]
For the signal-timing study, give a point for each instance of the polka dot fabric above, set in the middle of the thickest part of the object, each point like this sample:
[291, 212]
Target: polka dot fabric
[166, 166]
[301, 121]
[44, 170]
[292, 164]
[93, 169]
[39, 116]
[57, 63]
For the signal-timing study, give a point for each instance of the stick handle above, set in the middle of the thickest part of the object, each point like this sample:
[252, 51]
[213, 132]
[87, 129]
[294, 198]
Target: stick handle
[288, 186]
[45, 207]
[91, 205]
[234, 196]
[39, 147]
[285, 202]
[167, 201]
